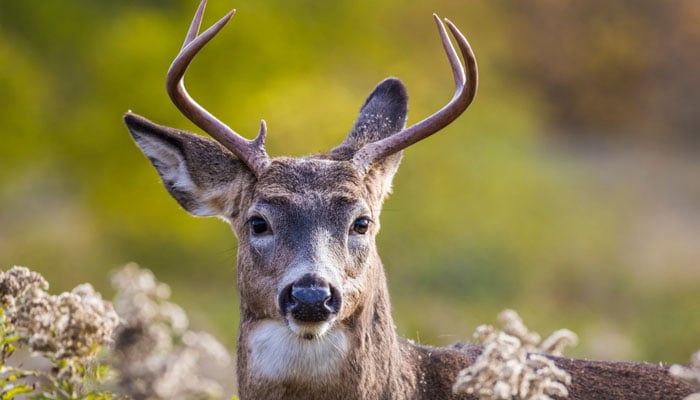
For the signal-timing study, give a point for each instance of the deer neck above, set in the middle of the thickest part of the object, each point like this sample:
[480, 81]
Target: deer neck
[387, 368]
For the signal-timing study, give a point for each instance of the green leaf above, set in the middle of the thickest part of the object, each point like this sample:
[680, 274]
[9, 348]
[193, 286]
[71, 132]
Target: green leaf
[10, 391]
[8, 339]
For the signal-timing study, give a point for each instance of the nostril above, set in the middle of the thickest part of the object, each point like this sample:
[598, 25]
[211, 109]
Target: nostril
[333, 301]
[286, 301]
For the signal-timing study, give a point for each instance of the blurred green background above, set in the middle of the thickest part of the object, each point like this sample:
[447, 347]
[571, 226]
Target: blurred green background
[569, 191]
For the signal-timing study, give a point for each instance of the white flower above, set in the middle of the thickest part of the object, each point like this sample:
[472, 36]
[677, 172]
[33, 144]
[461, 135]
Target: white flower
[156, 356]
[690, 374]
[66, 329]
[507, 367]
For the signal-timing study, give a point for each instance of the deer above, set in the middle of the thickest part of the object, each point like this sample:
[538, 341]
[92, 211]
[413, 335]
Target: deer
[315, 313]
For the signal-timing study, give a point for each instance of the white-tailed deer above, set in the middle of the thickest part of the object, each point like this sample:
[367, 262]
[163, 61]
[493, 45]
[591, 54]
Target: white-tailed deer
[315, 314]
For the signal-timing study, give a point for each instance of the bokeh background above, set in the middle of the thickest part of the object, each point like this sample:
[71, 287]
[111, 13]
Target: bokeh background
[569, 191]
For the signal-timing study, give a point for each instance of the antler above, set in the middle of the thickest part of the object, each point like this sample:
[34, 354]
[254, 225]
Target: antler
[465, 90]
[251, 152]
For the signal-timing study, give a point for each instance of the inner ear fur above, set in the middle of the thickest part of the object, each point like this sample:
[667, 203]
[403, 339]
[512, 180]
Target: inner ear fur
[198, 172]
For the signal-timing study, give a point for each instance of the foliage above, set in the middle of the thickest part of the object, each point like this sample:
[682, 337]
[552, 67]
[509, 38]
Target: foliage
[79, 352]
[155, 355]
[638, 55]
[67, 331]
[493, 211]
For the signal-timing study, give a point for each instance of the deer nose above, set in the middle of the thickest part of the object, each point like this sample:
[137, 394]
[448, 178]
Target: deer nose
[310, 299]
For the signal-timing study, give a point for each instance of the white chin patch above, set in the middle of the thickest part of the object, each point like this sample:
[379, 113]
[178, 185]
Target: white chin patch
[310, 331]
[300, 352]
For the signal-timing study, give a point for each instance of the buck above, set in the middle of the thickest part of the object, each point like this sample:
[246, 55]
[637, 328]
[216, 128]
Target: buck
[315, 316]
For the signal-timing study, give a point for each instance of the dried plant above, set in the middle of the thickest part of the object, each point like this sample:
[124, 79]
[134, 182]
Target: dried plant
[67, 330]
[155, 355]
[690, 374]
[512, 364]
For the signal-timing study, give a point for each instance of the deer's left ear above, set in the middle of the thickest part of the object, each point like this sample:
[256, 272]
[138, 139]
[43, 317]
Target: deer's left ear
[382, 115]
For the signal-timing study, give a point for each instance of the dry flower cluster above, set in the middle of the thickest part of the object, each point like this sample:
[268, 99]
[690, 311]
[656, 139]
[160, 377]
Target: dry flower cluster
[512, 364]
[155, 355]
[690, 374]
[67, 329]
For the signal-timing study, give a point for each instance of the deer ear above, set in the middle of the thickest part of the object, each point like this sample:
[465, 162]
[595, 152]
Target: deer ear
[382, 115]
[198, 172]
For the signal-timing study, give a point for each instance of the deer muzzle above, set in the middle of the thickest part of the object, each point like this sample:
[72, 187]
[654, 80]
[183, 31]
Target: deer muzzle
[310, 299]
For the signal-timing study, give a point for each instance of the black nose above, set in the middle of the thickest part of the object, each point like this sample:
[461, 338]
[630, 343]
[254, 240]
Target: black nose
[309, 299]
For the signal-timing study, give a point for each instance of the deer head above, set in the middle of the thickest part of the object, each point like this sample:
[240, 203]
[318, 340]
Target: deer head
[308, 270]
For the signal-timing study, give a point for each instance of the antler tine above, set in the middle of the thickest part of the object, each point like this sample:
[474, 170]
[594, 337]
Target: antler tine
[251, 152]
[196, 23]
[465, 91]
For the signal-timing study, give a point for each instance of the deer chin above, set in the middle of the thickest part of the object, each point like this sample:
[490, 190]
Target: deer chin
[310, 330]
[280, 350]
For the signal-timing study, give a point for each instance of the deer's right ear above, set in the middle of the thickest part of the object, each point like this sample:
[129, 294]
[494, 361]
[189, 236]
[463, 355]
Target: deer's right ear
[198, 172]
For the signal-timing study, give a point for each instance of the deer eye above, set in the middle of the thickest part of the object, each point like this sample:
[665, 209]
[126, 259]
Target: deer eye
[258, 225]
[361, 225]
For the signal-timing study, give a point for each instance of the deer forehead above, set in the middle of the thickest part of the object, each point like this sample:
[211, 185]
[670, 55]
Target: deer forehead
[301, 180]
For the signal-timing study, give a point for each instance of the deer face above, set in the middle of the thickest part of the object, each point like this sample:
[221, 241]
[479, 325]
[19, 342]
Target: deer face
[306, 227]
[306, 243]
